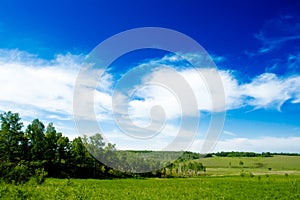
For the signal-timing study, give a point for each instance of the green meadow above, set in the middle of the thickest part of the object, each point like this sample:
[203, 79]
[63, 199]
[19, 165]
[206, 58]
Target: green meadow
[276, 177]
[229, 187]
[278, 164]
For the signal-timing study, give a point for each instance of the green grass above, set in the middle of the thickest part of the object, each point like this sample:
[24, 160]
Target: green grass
[234, 187]
[220, 181]
[256, 165]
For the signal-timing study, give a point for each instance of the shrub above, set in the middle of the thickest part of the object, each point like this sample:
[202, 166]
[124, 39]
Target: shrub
[241, 163]
[246, 174]
[15, 174]
[21, 172]
[259, 165]
[40, 176]
[251, 175]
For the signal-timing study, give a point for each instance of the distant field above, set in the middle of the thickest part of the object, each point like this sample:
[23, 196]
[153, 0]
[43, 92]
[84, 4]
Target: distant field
[255, 165]
[232, 187]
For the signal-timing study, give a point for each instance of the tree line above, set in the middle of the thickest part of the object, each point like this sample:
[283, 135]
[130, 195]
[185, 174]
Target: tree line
[249, 154]
[38, 151]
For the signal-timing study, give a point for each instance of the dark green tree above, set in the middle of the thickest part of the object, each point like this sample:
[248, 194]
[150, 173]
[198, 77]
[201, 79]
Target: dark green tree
[13, 144]
[51, 143]
[78, 152]
[63, 145]
[37, 143]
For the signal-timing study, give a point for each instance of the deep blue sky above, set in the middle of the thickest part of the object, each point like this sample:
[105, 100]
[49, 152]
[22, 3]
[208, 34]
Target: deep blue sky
[220, 26]
[253, 37]
[224, 28]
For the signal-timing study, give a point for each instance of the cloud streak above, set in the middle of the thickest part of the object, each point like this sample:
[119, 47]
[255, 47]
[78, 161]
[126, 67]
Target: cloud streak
[278, 31]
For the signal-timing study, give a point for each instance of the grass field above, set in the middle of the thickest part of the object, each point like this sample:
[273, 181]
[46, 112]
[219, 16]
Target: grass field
[233, 187]
[256, 165]
[275, 177]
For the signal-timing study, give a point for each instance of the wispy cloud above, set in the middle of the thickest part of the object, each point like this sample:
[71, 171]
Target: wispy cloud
[286, 64]
[278, 31]
[229, 133]
[270, 44]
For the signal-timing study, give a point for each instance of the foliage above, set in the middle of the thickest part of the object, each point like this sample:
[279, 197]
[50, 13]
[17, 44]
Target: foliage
[242, 154]
[40, 176]
[18, 174]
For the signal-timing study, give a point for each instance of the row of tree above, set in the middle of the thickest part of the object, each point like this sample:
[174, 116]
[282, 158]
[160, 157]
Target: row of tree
[242, 154]
[38, 150]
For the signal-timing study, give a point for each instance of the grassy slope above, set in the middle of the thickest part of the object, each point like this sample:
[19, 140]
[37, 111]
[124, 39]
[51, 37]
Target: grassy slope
[256, 165]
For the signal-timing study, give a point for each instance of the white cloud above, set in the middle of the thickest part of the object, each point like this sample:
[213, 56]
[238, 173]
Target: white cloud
[267, 91]
[262, 144]
[30, 82]
[154, 94]
[47, 87]
[35, 87]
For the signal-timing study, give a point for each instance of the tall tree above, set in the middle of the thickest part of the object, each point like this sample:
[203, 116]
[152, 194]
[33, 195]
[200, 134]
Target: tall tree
[52, 137]
[63, 145]
[95, 145]
[37, 140]
[12, 141]
[78, 151]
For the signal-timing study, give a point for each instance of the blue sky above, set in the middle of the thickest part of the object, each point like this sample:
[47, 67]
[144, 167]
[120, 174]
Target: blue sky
[255, 45]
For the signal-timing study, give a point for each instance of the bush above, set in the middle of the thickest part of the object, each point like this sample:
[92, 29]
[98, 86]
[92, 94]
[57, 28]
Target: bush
[241, 163]
[21, 173]
[40, 176]
[18, 174]
[259, 165]
[246, 174]
[5, 168]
